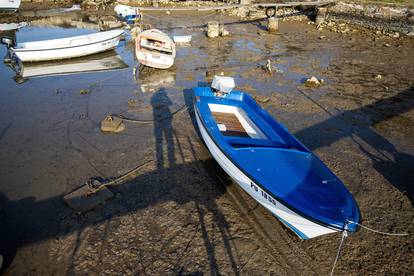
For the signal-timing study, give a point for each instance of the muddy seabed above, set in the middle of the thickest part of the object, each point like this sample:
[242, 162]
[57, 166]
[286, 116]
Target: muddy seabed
[181, 214]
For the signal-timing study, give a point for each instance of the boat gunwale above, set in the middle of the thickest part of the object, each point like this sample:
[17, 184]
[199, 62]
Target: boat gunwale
[283, 202]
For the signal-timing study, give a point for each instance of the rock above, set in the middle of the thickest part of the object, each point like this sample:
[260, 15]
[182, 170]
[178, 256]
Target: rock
[396, 35]
[378, 77]
[135, 31]
[222, 31]
[109, 22]
[313, 82]
[268, 66]
[84, 91]
[213, 29]
[167, 12]
[322, 37]
[112, 124]
[272, 24]
[387, 45]
[261, 99]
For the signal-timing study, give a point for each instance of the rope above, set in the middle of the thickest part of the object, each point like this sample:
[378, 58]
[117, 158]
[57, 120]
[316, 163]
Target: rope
[338, 253]
[92, 188]
[148, 121]
[379, 232]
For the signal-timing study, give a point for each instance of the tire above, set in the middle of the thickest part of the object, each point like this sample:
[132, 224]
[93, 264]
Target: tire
[270, 12]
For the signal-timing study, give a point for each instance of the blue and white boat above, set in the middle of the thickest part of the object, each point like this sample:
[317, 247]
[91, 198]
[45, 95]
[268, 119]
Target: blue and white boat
[270, 164]
[129, 14]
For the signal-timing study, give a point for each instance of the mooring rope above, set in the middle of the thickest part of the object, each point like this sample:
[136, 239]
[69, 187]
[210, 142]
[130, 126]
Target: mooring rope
[345, 235]
[338, 253]
[377, 231]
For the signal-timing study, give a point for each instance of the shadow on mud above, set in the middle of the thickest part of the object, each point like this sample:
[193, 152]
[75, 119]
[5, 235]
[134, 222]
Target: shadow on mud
[395, 166]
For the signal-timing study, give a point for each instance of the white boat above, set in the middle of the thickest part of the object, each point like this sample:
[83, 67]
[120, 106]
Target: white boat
[64, 48]
[126, 12]
[12, 26]
[182, 39]
[12, 5]
[96, 63]
[154, 48]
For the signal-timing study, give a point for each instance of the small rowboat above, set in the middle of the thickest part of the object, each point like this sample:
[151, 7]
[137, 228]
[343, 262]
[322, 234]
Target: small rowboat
[9, 5]
[271, 165]
[65, 48]
[154, 48]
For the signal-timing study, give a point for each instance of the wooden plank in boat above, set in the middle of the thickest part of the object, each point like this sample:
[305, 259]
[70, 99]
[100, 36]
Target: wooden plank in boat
[232, 123]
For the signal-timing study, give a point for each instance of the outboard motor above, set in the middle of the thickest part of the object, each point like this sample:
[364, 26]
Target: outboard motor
[222, 86]
[9, 42]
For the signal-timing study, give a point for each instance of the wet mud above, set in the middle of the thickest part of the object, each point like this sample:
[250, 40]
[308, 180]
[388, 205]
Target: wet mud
[181, 214]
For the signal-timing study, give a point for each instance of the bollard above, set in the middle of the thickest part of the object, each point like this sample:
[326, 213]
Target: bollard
[213, 29]
[272, 24]
[320, 15]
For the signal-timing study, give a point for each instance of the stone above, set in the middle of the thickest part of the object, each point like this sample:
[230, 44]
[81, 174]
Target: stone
[112, 124]
[245, 2]
[82, 201]
[135, 31]
[261, 99]
[321, 15]
[213, 29]
[84, 91]
[272, 24]
[378, 77]
[222, 31]
[313, 82]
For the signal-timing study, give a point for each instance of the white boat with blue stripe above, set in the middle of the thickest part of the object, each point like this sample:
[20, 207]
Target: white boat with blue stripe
[65, 48]
[271, 165]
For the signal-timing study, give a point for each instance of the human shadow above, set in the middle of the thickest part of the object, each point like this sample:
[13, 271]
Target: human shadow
[28, 221]
[163, 130]
[397, 167]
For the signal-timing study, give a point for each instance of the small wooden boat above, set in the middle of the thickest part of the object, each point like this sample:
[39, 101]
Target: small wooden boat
[154, 48]
[64, 48]
[9, 5]
[271, 165]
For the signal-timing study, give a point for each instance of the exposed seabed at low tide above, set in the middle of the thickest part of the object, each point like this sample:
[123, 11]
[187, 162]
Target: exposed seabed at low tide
[181, 214]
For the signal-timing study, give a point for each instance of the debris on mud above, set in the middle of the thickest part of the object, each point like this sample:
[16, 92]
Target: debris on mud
[112, 124]
[84, 91]
[313, 82]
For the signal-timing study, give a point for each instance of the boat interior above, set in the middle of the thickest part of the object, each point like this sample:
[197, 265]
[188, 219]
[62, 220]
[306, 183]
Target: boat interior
[242, 131]
[163, 47]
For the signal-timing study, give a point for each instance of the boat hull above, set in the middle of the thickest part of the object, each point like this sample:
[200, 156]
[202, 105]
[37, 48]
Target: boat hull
[155, 60]
[9, 5]
[301, 226]
[67, 52]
